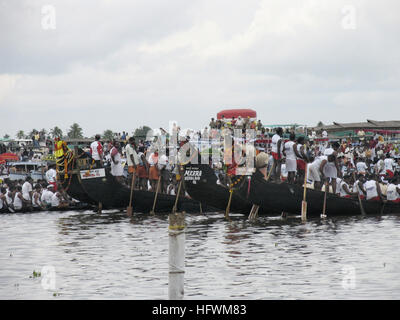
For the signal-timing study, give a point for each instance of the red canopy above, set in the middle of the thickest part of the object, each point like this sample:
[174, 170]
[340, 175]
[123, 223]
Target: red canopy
[244, 113]
[8, 156]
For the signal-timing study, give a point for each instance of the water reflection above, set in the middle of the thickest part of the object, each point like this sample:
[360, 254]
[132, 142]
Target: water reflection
[110, 256]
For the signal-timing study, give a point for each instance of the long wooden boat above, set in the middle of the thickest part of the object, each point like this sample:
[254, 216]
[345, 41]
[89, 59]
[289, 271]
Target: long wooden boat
[98, 186]
[104, 188]
[287, 198]
[272, 198]
[202, 184]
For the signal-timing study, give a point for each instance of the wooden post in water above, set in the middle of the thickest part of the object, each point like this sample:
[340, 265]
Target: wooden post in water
[176, 232]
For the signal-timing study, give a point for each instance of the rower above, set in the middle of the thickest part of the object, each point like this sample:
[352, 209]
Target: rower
[359, 186]
[393, 190]
[344, 191]
[313, 173]
[36, 203]
[373, 189]
[3, 200]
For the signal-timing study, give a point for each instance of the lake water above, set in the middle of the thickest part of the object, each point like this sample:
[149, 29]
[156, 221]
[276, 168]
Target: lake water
[85, 255]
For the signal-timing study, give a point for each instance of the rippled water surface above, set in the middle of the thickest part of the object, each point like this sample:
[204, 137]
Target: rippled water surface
[109, 256]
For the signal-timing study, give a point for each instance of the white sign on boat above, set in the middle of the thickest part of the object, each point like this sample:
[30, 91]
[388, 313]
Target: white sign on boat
[93, 173]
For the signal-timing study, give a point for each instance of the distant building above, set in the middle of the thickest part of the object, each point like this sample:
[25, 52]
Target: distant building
[389, 129]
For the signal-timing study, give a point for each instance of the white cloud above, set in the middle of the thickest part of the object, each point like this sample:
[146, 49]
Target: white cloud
[123, 64]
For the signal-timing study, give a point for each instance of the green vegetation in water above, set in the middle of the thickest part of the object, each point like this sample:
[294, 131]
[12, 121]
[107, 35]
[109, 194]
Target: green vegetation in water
[35, 274]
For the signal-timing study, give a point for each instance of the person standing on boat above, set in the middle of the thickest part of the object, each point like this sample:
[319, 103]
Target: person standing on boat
[153, 170]
[290, 152]
[276, 151]
[301, 158]
[131, 158]
[313, 171]
[361, 166]
[96, 150]
[27, 189]
[143, 169]
[389, 164]
[51, 176]
[330, 166]
[116, 166]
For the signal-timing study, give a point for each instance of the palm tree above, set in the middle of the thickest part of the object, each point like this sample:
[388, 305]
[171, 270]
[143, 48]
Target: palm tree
[141, 132]
[75, 131]
[32, 133]
[108, 135]
[20, 134]
[56, 132]
[6, 136]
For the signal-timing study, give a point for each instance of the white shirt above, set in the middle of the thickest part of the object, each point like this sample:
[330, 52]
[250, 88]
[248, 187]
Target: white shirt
[370, 187]
[342, 192]
[130, 151]
[17, 201]
[26, 188]
[46, 196]
[51, 175]
[361, 167]
[389, 162]
[93, 148]
[55, 201]
[288, 147]
[274, 143]
[392, 193]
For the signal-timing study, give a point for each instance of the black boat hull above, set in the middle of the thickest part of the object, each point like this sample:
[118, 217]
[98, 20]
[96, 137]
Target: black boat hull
[114, 195]
[273, 199]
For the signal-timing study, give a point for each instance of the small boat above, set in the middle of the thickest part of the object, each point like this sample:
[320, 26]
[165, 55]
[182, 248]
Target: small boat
[23, 169]
[77, 206]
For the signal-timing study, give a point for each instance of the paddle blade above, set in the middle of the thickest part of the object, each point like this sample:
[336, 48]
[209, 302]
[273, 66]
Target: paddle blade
[129, 211]
[303, 210]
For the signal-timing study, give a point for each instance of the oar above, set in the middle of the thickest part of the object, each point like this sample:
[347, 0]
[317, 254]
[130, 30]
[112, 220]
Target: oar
[270, 171]
[129, 209]
[177, 197]
[304, 202]
[155, 197]
[358, 195]
[229, 204]
[323, 215]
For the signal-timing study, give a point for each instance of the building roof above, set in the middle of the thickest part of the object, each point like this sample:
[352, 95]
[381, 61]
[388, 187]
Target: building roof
[370, 124]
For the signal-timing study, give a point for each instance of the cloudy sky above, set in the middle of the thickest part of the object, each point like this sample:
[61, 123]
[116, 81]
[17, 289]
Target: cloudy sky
[113, 64]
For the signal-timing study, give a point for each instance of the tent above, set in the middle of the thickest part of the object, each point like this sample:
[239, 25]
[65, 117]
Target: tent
[230, 113]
